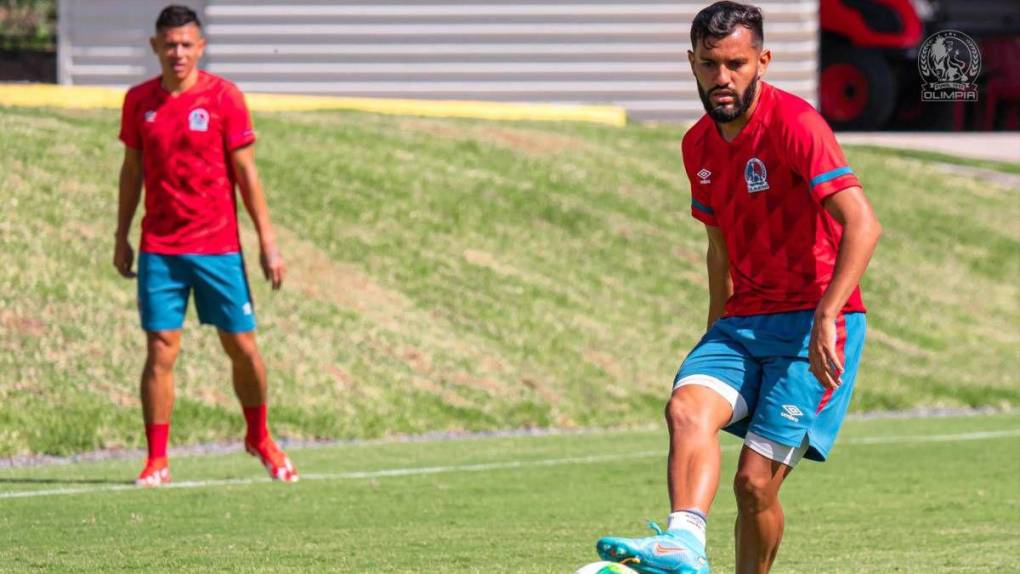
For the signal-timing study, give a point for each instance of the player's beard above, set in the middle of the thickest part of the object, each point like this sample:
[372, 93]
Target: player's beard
[723, 115]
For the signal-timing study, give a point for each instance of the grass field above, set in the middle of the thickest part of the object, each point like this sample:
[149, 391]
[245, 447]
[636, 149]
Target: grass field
[899, 495]
[462, 275]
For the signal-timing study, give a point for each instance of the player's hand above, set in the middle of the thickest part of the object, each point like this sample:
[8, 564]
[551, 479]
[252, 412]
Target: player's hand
[273, 268]
[124, 258]
[822, 354]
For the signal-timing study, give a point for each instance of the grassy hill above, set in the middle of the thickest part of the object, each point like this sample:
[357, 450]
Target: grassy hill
[450, 275]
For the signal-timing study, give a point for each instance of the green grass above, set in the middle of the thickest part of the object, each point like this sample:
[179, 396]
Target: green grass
[462, 275]
[934, 156]
[903, 504]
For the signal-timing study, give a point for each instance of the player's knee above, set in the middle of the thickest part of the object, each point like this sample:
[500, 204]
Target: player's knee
[754, 491]
[684, 415]
[162, 352]
[241, 348]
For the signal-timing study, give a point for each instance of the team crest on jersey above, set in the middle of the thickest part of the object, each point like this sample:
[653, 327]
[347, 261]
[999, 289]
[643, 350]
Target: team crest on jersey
[150, 116]
[756, 176]
[198, 121]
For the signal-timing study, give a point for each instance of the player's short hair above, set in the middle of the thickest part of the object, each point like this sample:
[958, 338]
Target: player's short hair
[720, 19]
[175, 16]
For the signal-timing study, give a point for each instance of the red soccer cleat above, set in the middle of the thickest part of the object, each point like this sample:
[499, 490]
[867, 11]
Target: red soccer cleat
[155, 473]
[274, 459]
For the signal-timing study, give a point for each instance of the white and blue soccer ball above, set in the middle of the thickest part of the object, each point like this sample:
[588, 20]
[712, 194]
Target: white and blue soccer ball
[605, 568]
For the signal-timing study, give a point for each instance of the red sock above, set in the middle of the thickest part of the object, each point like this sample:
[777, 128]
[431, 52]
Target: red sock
[258, 430]
[157, 435]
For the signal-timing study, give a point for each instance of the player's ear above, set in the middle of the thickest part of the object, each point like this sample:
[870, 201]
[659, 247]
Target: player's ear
[764, 57]
[690, 59]
[154, 43]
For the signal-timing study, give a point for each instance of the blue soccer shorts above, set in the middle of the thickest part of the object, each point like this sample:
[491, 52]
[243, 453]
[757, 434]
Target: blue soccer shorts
[759, 364]
[219, 282]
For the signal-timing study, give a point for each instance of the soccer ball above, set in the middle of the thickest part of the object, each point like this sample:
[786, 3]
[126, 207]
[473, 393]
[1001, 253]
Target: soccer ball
[605, 568]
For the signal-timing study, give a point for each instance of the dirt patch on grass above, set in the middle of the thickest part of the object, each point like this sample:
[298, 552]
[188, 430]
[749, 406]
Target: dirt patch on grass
[424, 343]
[22, 324]
[314, 274]
[491, 386]
[489, 261]
[447, 396]
[541, 389]
[605, 363]
[418, 360]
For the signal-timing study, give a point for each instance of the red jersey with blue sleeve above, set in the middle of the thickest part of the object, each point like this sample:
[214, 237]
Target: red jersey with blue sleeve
[190, 205]
[764, 190]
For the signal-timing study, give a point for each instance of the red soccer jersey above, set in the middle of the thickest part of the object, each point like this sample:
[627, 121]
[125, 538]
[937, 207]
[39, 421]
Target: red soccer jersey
[764, 191]
[190, 206]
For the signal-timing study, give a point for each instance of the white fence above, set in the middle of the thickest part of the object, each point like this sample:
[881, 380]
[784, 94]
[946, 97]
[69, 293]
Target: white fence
[575, 51]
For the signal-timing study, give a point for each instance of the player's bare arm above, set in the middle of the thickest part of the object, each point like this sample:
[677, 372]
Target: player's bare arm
[720, 284]
[861, 231]
[128, 198]
[243, 162]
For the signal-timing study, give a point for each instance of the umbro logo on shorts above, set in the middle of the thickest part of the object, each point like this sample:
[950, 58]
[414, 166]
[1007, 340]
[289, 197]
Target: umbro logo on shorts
[791, 412]
[704, 175]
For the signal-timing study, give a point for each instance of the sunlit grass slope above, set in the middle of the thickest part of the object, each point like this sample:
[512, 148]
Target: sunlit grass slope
[450, 275]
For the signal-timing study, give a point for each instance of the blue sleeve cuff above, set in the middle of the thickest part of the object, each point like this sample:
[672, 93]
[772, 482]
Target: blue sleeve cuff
[830, 175]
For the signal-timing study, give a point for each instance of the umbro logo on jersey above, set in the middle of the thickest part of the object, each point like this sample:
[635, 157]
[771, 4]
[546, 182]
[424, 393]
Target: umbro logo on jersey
[198, 121]
[704, 175]
[756, 176]
[150, 116]
[791, 412]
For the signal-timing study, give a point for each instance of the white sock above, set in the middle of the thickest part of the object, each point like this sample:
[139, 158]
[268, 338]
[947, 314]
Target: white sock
[691, 520]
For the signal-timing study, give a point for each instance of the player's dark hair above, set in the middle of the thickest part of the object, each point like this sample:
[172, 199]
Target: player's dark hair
[722, 18]
[175, 16]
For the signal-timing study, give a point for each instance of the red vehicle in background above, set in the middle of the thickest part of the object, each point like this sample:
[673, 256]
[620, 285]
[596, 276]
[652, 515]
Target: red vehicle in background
[869, 78]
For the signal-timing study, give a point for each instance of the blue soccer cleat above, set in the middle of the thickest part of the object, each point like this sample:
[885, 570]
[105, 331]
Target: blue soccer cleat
[669, 552]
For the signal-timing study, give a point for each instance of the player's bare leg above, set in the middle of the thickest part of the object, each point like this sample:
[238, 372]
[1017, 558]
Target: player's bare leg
[249, 372]
[157, 392]
[249, 375]
[157, 386]
[694, 415]
[759, 526]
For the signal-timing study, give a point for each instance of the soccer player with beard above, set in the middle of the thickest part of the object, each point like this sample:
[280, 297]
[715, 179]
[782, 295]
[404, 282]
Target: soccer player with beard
[790, 233]
[188, 137]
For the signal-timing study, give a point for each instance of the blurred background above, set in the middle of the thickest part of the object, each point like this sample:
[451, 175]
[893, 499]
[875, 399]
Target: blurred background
[857, 60]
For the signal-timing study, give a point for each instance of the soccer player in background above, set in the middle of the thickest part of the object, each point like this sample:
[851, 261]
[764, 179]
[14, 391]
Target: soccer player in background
[790, 234]
[188, 136]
